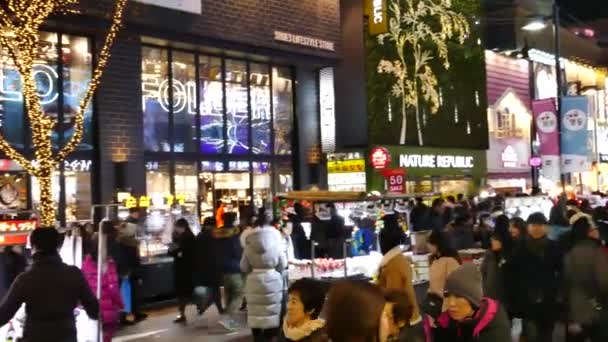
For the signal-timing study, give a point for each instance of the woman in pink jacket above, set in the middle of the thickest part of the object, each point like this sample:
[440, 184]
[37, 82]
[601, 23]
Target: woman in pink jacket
[110, 303]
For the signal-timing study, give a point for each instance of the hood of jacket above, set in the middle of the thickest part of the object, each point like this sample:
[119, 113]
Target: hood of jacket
[488, 309]
[303, 331]
[262, 246]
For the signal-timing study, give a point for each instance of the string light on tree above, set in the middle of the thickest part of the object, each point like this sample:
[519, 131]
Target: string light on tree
[20, 22]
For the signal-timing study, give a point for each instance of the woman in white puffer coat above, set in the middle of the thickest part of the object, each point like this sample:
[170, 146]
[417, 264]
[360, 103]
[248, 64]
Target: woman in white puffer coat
[263, 262]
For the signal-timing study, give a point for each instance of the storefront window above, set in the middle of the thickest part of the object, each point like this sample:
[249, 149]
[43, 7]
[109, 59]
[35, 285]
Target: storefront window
[13, 191]
[77, 73]
[46, 76]
[283, 177]
[36, 190]
[155, 99]
[205, 185]
[237, 113]
[260, 109]
[211, 96]
[78, 195]
[186, 181]
[282, 93]
[184, 102]
[262, 180]
[158, 181]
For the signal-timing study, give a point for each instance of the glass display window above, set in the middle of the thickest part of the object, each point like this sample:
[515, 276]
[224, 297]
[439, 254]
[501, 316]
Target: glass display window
[232, 188]
[262, 184]
[184, 102]
[282, 101]
[211, 95]
[13, 191]
[283, 177]
[237, 107]
[186, 181]
[155, 99]
[205, 186]
[261, 115]
[77, 73]
[158, 183]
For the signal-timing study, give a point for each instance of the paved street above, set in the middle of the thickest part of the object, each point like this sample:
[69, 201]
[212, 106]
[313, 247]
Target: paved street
[159, 327]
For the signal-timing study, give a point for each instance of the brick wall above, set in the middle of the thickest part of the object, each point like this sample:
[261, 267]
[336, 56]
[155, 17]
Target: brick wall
[248, 22]
[119, 116]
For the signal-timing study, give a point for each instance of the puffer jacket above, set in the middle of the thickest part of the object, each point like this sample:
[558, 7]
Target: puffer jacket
[111, 302]
[263, 261]
[490, 324]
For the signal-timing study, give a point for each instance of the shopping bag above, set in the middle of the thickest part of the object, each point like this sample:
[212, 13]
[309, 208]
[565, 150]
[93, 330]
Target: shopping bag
[125, 293]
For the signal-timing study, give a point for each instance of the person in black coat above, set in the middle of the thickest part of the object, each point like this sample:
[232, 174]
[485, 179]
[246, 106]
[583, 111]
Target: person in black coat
[301, 243]
[182, 250]
[51, 291]
[207, 273]
[335, 233]
[534, 271]
[125, 253]
[435, 216]
[418, 215]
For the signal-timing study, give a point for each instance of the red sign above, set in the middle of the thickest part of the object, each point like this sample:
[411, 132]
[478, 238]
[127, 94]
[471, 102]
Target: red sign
[380, 158]
[18, 226]
[20, 239]
[395, 179]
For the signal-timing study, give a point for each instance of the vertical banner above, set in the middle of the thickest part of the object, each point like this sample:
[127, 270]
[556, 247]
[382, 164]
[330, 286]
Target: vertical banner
[575, 135]
[546, 128]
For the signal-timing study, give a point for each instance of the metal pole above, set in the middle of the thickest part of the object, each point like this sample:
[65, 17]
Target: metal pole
[559, 81]
[99, 276]
[345, 255]
[312, 258]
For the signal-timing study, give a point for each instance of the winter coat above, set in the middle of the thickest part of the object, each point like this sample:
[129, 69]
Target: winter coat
[263, 261]
[183, 253]
[586, 281]
[311, 331]
[396, 274]
[111, 301]
[228, 250]
[534, 273]
[50, 290]
[490, 324]
[493, 276]
[461, 237]
[126, 255]
[301, 243]
[438, 274]
[435, 221]
[207, 271]
[418, 217]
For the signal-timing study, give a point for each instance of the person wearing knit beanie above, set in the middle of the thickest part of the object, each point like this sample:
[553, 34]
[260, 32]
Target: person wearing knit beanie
[465, 282]
[470, 316]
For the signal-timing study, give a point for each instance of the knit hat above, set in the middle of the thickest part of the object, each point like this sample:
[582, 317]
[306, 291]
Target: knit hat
[465, 282]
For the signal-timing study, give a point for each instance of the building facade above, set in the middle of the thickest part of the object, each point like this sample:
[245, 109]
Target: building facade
[202, 100]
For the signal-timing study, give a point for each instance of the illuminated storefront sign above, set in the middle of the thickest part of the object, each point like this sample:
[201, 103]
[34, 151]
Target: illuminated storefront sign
[380, 158]
[436, 161]
[328, 110]
[346, 166]
[147, 202]
[378, 19]
[18, 225]
[80, 165]
[304, 41]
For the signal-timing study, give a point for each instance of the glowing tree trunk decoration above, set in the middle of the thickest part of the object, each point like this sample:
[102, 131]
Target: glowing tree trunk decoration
[411, 28]
[20, 21]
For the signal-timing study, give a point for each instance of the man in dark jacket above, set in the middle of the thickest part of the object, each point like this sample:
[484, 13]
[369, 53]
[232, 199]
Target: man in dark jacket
[534, 275]
[418, 215]
[50, 290]
[470, 317]
[435, 217]
[207, 270]
[335, 233]
[228, 252]
[128, 263]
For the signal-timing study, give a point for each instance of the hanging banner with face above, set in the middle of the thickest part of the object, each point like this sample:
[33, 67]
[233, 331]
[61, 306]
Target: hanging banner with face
[546, 128]
[575, 135]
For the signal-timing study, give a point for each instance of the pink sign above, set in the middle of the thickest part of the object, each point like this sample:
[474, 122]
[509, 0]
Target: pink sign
[546, 126]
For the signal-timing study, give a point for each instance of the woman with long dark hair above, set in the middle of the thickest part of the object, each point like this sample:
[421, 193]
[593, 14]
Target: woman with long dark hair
[183, 252]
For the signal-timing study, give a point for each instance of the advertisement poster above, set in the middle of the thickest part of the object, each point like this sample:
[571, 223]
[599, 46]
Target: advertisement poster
[546, 128]
[575, 134]
[509, 121]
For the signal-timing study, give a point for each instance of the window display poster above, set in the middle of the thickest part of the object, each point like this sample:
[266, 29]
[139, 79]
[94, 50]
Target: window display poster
[509, 120]
[191, 6]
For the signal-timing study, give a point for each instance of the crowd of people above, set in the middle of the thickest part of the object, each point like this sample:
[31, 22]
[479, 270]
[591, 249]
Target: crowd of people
[524, 275]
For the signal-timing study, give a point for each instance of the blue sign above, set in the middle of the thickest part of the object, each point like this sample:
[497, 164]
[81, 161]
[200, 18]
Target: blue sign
[575, 134]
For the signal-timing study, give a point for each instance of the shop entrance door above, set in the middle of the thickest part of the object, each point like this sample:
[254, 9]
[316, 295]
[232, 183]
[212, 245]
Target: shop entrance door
[232, 189]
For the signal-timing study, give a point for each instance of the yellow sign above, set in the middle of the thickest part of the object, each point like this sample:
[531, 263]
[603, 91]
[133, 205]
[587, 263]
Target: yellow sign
[131, 202]
[146, 202]
[378, 16]
[346, 166]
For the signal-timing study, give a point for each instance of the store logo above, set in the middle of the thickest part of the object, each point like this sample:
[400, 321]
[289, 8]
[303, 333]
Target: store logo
[380, 158]
[378, 19]
[509, 157]
[435, 161]
[304, 41]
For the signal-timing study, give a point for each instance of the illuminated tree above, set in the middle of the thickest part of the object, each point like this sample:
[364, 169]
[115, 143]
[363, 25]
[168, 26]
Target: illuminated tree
[420, 28]
[20, 21]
